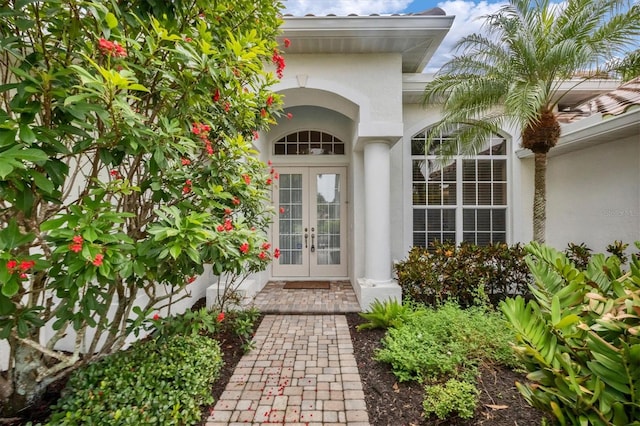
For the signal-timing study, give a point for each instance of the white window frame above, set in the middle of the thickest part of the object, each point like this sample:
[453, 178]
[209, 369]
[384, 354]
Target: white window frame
[459, 207]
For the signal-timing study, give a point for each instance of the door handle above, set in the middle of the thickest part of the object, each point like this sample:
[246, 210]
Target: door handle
[306, 237]
[313, 247]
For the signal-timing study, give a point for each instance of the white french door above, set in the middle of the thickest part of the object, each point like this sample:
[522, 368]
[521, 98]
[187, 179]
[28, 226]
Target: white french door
[310, 229]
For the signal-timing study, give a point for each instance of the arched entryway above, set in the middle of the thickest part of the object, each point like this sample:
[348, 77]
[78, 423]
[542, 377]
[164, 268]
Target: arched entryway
[311, 199]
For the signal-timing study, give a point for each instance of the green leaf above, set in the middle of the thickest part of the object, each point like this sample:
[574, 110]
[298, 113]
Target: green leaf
[54, 223]
[111, 20]
[175, 251]
[7, 137]
[555, 310]
[42, 182]
[10, 288]
[26, 134]
[33, 155]
[11, 237]
[25, 200]
[5, 168]
[6, 305]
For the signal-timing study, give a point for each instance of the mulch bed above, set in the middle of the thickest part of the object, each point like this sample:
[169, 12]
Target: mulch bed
[388, 402]
[392, 403]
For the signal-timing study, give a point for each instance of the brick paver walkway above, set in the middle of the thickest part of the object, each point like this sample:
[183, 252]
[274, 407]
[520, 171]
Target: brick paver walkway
[301, 372]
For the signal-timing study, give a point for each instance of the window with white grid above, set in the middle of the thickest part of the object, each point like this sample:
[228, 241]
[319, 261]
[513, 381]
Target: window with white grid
[462, 199]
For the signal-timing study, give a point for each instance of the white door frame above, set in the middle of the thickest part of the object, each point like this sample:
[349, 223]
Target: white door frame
[314, 246]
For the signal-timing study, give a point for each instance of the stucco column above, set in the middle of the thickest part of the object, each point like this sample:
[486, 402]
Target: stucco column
[377, 211]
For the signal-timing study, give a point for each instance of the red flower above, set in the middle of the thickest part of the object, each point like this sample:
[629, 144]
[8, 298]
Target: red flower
[276, 253]
[186, 162]
[11, 264]
[287, 42]
[200, 129]
[263, 113]
[272, 171]
[227, 211]
[115, 174]
[111, 48]
[256, 136]
[216, 96]
[227, 106]
[220, 228]
[247, 179]
[77, 239]
[269, 181]
[278, 60]
[98, 259]
[25, 265]
[269, 162]
[262, 255]
[244, 248]
[187, 186]
[289, 116]
[236, 201]
[281, 210]
[156, 316]
[276, 176]
[188, 39]
[228, 226]
[208, 147]
[266, 246]
[191, 279]
[269, 100]
[76, 248]
[220, 317]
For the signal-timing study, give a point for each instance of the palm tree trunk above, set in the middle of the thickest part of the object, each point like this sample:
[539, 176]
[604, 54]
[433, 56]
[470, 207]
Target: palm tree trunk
[540, 197]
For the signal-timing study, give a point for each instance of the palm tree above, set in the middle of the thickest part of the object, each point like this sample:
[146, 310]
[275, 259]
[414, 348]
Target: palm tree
[512, 74]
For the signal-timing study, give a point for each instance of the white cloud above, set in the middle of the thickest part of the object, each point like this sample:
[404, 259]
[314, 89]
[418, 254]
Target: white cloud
[343, 7]
[468, 21]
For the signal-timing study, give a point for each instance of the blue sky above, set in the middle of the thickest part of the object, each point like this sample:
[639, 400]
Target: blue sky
[466, 12]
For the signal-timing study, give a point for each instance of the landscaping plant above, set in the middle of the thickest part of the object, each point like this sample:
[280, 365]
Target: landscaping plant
[579, 338]
[390, 313]
[160, 382]
[126, 164]
[467, 274]
[443, 348]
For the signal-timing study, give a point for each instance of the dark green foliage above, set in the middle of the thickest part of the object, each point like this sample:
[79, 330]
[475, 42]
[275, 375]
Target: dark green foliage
[467, 273]
[211, 323]
[162, 382]
[389, 313]
[579, 254]
[579, 338]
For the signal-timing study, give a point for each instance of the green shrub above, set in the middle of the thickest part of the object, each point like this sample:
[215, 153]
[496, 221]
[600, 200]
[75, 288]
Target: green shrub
[434, 343]
[454, 396]
[191, 322]
[161, 382]
[467, 273]
[389, 313]
[579, 338]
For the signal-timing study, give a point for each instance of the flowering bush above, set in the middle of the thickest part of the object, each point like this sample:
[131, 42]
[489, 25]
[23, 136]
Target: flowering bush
[125, 165]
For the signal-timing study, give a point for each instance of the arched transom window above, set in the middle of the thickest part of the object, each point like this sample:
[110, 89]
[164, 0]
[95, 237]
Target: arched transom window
[309, 142]
[464, 199]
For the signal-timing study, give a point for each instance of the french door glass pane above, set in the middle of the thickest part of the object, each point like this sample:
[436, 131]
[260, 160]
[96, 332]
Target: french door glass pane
[290, 219]
[328, 218]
